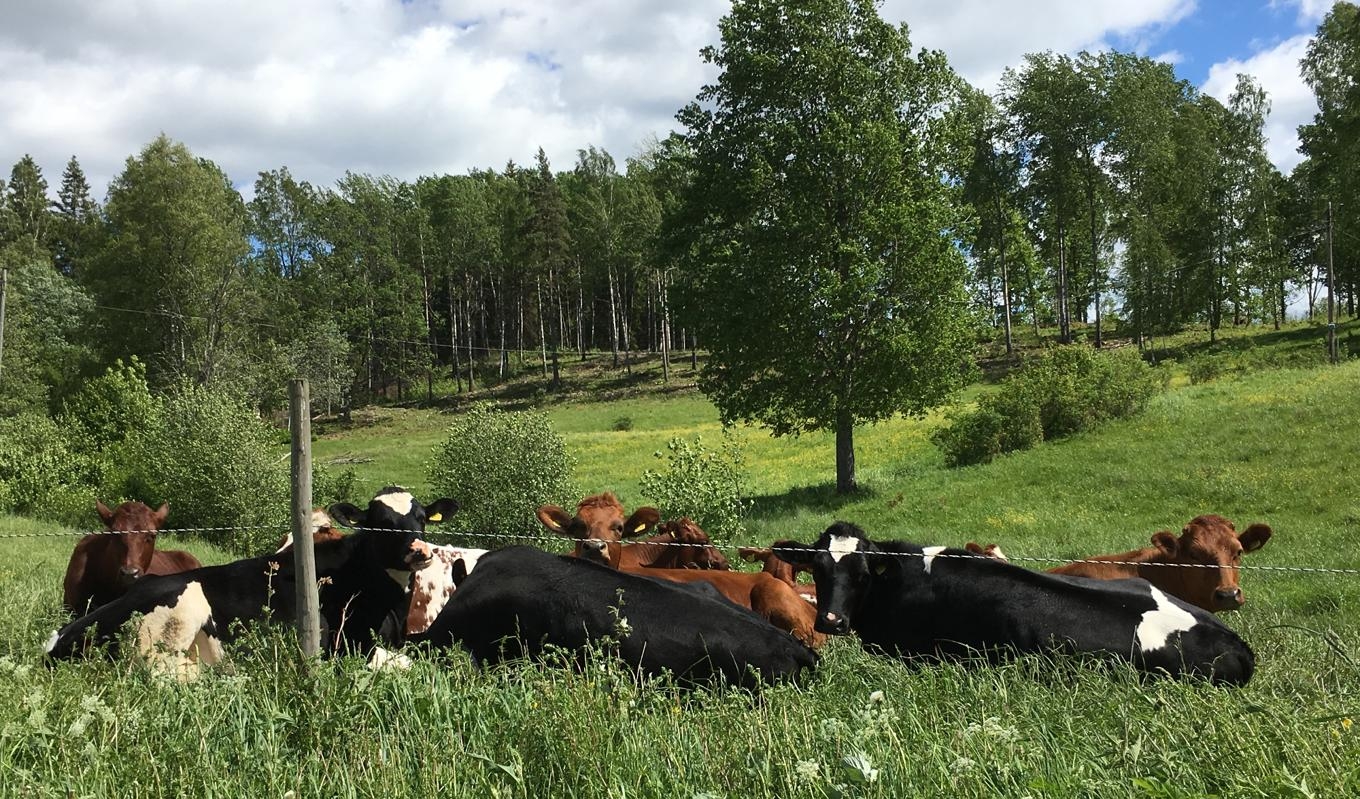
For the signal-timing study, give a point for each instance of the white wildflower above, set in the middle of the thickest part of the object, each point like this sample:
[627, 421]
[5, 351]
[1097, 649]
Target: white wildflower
[807, 770]
[876, 696]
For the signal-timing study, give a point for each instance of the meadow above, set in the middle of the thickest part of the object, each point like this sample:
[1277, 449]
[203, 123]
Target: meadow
[1276, 445]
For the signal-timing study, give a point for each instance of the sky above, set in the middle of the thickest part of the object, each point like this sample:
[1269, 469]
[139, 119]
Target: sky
[422, 87]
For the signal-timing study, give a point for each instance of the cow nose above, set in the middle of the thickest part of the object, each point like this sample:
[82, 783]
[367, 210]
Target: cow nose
[130, 572]
[1229, 596]
[835, 623]
[594, 544]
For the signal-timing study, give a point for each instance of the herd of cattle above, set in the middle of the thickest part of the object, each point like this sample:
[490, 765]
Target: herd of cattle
[668, 603]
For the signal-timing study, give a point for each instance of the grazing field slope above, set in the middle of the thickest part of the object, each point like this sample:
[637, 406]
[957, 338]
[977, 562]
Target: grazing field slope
[1277, 446]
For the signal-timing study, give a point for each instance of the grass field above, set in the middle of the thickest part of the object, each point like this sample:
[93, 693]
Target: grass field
[1277, 446]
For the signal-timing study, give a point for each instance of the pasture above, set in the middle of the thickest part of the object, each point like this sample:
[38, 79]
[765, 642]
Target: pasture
[1277, 446]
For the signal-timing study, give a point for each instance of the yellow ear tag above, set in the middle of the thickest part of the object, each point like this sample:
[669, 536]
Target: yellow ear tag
[640, 527]
[434, 517]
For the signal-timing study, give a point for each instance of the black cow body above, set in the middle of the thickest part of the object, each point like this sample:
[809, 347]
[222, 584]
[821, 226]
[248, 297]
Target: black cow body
[186, 617]
[519, 600]
[908, 600]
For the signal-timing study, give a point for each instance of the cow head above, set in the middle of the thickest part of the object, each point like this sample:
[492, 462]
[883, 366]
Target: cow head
[392, 525]
[844, 564]
[688, 546]
[136, 525]
[598, 526]
[1211, 543]
[772, 563]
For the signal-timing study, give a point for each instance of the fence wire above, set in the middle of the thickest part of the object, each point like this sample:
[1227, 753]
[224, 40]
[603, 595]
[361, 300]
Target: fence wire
[731, 548]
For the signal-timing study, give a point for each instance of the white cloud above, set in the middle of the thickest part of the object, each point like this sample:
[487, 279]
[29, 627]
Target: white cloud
[1291, 101]
[1310, 12]
[427, 86]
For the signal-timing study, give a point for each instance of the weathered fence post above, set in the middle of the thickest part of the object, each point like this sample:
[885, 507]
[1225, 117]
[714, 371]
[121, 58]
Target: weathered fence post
[304, 558]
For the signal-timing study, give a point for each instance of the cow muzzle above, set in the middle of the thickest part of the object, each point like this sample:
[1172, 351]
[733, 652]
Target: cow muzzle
[419, 556]
[832, 623]
[128, 574]
[595, 550]
[1228, 599]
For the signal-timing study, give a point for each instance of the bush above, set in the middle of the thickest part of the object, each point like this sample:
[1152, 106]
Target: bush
[623, 424]
[500, 466]
[1203, 368]
[704, 484]
[216, 463]
[1061, 392]
[111, 407]
[41, 473]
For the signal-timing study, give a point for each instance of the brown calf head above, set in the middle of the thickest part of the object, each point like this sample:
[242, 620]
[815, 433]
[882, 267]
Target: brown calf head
[136, 543]
[990, 551]
[1213, 542]
[687, 546]
[598, 526]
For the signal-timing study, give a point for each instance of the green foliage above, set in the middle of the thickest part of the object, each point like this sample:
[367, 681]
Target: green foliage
[1204, 367]
[818, 265]
[108, 409]
[217, 464]
[41, 473]
[500, 466]
[707, 485]
[623, 424]
[1063, 391]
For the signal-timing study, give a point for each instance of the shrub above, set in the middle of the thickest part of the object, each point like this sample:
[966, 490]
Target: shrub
[704, 484]
[110, 408]
[216, 463]
[623, 424]
[1063, 391]
[500, 466]
[1203, 368]
[41, 473]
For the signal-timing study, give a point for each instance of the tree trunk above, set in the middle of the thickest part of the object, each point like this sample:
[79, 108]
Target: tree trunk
[542, 331]
[845, 453]
[613, 321]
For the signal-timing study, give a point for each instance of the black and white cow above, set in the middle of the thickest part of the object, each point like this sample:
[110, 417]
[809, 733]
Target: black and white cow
[186, 617]
[521, 599]
[909, 600]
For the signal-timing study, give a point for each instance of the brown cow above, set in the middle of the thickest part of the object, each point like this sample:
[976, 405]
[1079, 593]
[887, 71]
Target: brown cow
[599, 526]
[1209, 542]
[780, 569]
[103, 565]
[678, 544]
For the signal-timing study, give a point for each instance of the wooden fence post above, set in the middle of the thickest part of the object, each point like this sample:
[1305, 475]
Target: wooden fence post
[304, 558]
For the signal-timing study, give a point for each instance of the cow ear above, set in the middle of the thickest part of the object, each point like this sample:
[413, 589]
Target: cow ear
[437, 510]
[458, 572]
[162, 513]
[1255, 537]
[346, 513]
[103, 511]
[642, 520]
[793, 552]
[554, 518]
[975, 548]
[1166, 542]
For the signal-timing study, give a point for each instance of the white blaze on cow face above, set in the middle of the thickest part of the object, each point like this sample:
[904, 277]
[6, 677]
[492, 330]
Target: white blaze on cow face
[1159, 623]
[928, 556]
[399, 501]
[173, 638]
[842, 545]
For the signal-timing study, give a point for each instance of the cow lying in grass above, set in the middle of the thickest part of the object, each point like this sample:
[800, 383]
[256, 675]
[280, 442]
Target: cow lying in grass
[521, 600]
[185, 618]
[930, 602]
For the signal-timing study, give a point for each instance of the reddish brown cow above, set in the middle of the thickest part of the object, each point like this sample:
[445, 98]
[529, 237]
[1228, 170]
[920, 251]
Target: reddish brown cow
[780, 569]
[599, 526]
[600, 518]
[1210, 543]
[103, 565]
[678, 544]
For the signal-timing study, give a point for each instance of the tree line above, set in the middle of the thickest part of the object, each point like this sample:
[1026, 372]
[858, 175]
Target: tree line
[833, 200]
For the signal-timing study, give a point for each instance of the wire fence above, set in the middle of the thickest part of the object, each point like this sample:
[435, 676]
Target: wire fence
[732, 548]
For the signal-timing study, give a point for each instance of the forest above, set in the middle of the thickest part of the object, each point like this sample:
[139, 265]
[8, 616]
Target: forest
[1098, 195]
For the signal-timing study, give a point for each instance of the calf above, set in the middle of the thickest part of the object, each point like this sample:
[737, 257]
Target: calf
[103, 566]
[432, 586]
[185, 618]
[521, 600]
[679, 544]
[913, 602]
[1200, 567]
[599, 518]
